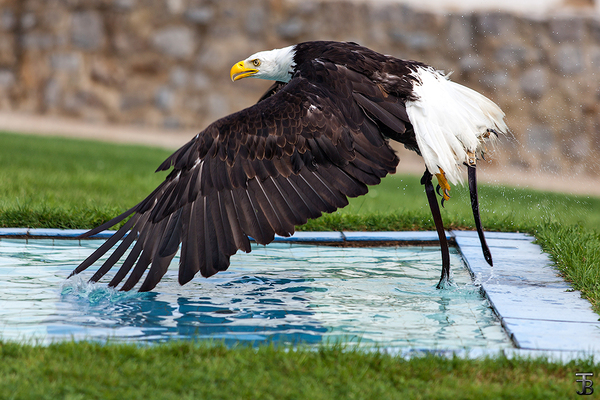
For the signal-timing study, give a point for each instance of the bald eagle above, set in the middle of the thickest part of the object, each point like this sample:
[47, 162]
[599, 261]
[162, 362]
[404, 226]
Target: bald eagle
[319, 135]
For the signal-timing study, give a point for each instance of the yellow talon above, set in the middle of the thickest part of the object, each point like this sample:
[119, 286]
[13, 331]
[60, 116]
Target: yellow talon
[444, 185]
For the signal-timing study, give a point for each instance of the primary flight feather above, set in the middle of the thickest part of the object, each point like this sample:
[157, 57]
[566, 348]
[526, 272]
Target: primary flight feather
[319, 135]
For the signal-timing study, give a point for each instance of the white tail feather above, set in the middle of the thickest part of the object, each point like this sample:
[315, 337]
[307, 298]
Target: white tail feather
[450, 121]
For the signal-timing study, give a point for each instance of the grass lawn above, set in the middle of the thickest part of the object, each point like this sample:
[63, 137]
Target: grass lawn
[187, 370]
[66, 183]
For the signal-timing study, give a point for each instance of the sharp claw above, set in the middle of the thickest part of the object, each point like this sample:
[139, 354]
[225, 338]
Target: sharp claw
[443, 185]
[489, 130]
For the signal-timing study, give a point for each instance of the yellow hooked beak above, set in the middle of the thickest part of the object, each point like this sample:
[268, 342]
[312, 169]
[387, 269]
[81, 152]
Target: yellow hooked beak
[239, 71]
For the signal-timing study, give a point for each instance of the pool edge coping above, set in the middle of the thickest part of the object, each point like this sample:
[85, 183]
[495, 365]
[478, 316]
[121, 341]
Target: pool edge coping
[506, 286]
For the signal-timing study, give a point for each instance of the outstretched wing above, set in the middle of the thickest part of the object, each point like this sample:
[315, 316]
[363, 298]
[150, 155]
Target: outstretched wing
[299, 152]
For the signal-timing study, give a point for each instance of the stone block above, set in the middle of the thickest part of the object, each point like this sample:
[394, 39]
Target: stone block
[171, 122]
[577, 147]
[511, 55]
[165, 99]
[460, 33]
[470, 63]
[179, 77]
[7, 79]
[7, 50]
[495, 80]
[417, 41]
[124, 4]
[77, 102]
[496, 24]
[132, 101]
[28, 21]
[291, 28]
[594, 24]
[200, 15]
[52, 94]
[7, 20]
[175, 6]
[106, 72]
[212, 58]
[540, 138]
[37, 41]
[149, 64]
[566, 29]
[72, 104]
[200, 81]
[175, 41]
[568, 59]
[398, 15]
[534, 82]
[87, 30]
[255, 20]
[218, 106]
[595, 58]
[65, 61]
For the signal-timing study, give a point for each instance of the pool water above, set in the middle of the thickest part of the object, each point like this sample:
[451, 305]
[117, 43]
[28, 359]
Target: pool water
[282, 293]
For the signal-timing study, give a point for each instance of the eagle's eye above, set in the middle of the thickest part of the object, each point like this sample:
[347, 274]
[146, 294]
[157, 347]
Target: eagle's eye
[255, 62]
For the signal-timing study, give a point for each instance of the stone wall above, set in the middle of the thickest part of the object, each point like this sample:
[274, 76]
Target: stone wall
[166, 62]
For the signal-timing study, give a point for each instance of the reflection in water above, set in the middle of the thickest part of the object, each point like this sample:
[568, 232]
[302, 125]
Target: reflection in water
[279, 293]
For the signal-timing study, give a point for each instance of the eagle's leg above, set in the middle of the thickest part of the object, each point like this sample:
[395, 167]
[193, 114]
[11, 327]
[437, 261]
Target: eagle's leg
[472, 169]
[439, 227]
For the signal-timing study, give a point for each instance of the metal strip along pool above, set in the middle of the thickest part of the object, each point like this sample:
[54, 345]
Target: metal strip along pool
[538, 309]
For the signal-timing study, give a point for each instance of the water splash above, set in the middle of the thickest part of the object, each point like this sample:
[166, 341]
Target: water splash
[78, 288]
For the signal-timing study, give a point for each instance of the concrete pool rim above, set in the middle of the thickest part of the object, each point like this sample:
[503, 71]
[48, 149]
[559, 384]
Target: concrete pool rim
[540, 312]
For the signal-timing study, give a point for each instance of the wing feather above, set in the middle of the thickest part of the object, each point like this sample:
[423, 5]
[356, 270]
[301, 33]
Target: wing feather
[240, 239]
[189, 263]
[114, 257]
[100, 251]
[128, 263]
[380, 113]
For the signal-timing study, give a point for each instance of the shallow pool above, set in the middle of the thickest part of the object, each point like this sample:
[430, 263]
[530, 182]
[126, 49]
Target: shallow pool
[283, 293]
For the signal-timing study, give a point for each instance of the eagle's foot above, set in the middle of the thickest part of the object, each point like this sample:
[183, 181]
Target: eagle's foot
[443, 185]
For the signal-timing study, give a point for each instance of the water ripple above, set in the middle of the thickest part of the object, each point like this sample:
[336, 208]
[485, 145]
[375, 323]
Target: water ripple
[280, 293]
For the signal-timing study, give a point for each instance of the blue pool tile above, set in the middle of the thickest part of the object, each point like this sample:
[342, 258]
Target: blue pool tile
[299, 237]
[418, 236]
[554, 335]
[67, 233]
[541, 303]
[492, 235]
[537, 307]
[56, 233]
[13, 231]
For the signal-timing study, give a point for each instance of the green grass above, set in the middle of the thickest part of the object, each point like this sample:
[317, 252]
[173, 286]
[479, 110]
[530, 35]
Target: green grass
[54, 182]
[188, 370]
[399, 203]
[66, 183]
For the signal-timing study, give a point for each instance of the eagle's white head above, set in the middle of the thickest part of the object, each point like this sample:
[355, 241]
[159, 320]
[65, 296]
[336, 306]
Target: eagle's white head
[274, 65]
